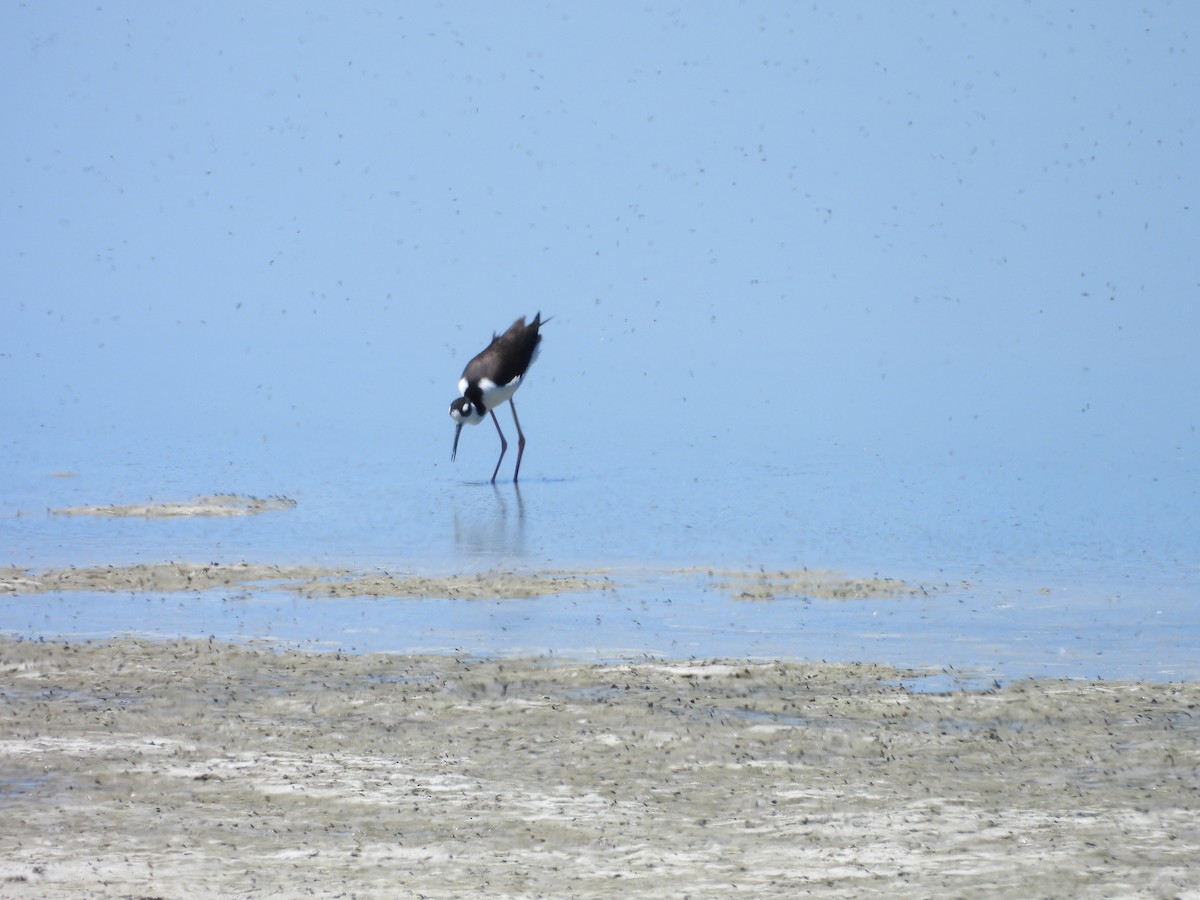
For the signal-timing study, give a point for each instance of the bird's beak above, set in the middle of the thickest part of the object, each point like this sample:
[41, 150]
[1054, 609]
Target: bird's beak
[457, 432]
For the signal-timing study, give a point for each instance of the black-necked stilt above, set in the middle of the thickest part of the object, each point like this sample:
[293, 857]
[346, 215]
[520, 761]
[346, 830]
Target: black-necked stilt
[493, 377]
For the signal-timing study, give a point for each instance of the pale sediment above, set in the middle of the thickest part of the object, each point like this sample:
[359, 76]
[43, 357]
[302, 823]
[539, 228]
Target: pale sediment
[209, 505]
[310, 581]
[185, 768]
[326, 581]
[816, 584]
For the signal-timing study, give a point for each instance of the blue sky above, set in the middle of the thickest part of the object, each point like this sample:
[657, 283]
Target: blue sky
[781, 228]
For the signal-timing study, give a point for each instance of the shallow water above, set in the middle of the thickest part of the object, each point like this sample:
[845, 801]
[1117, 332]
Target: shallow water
[1031, 572]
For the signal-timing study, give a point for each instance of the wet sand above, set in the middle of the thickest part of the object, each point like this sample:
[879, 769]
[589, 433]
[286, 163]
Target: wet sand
[325, 581]
[184, 768]
[310, 581]
[208, 505]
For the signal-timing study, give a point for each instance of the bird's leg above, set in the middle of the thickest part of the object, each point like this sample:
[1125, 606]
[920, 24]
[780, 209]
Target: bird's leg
[520, 441]
[503, 445]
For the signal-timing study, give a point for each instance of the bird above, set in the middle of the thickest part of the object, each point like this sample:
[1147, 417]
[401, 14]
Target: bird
[492, 377]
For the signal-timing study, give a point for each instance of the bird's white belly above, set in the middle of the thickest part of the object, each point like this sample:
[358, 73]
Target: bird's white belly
[494, 394]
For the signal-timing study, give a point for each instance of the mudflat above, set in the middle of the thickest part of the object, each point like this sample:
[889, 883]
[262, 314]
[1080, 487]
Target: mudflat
[326, 581]
[194, 768]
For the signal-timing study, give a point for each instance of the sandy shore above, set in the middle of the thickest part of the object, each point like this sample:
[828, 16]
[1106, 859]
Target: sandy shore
[177, 769]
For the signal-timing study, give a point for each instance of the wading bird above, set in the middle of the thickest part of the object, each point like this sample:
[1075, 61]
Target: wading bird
[493, 377]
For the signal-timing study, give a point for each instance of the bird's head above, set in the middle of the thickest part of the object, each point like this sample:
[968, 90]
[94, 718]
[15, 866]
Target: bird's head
[463, 412]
